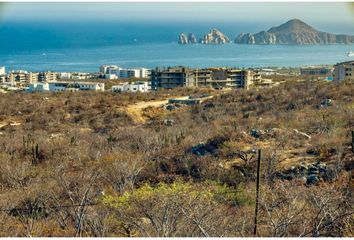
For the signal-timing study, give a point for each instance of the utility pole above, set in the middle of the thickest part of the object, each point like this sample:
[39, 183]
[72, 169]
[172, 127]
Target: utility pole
[257, 192]
[353, 141]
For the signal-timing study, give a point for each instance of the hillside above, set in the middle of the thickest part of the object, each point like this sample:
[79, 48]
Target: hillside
[293, 32]
[79, 164]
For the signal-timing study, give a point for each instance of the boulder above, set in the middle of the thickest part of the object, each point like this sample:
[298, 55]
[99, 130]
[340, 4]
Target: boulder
[312, 180]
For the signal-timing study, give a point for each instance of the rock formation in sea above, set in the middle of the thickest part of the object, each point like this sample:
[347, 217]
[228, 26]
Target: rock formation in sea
[192, 38]
[187, 39]
[214, 37]
[183, 39]
[294, 32]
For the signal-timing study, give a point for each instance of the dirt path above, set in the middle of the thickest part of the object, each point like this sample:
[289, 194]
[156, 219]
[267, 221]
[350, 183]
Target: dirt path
[136, 110]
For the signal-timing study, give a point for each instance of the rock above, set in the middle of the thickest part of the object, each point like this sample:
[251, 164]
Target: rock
[330, 174]
[215, 37]
[285, 176]
[312, 180]
[326, 103]
[183, 39]
[169, 122]
[313, 152]
[209, 147]
[303, 180]
[313, 172]
[169, 107]
[308, 137]
[294, 32]
[303, 167]
[192, 38]
[257, 133]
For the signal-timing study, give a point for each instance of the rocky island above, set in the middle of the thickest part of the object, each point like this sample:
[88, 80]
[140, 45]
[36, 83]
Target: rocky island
[294, 32]
[186, 39]
[214, 36]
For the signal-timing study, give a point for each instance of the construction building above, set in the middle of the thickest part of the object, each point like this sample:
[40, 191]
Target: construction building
[344, 71]
[172, 77]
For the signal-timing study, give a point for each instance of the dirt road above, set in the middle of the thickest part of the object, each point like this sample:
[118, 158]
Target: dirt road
[136, 110]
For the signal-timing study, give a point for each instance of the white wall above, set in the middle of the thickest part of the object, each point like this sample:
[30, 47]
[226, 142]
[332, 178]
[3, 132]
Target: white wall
[132, 87]
[2, 71]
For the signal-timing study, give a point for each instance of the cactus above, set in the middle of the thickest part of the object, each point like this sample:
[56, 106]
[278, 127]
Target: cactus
[35, 154]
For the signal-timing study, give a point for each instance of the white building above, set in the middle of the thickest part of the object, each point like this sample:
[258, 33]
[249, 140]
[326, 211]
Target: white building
[2, 71]
[107, 69]
[132, 87]
[65, 86]
[110, 76]
[38, 87]
[144, 72]
[64, 75]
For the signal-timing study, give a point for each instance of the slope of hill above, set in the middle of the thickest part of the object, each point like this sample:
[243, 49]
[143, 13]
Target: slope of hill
[295, 32]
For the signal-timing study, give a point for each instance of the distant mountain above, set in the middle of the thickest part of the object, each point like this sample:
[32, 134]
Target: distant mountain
[214, 36]
[294, 32]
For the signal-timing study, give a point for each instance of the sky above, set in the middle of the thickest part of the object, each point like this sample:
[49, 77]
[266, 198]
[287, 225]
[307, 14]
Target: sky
[340, 12]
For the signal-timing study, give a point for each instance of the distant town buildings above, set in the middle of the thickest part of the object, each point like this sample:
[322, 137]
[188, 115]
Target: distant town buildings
[115, 72]
[316, 71]
[132, 87]
[172, 77]
[22, 76]
[344, 71]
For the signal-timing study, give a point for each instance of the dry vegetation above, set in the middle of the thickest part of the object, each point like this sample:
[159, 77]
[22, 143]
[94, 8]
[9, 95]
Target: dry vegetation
[77, 164]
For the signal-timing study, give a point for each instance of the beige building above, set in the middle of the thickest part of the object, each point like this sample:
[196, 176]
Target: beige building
[32, 77]
[47, 77]
[17, 76]
[344, 71]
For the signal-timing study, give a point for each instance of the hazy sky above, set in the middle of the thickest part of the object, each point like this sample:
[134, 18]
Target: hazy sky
[229, 12]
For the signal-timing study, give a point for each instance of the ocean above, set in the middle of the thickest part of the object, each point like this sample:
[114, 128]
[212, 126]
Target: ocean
[84, 47]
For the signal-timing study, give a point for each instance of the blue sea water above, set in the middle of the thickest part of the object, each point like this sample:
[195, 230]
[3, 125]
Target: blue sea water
[86, 46]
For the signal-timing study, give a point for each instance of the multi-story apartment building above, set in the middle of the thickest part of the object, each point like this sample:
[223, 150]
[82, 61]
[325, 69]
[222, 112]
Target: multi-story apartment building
[47, 77]
[32, 77]
[17, 76]
[344, 71]
[172, 77]
[210, 77]
[114, 72]
[108, 69]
